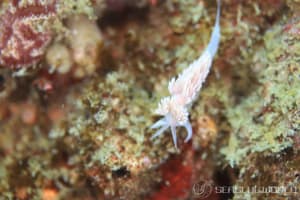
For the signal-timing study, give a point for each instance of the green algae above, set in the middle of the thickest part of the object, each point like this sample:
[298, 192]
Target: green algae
[69, 7]
[265, 123]
[264, 120]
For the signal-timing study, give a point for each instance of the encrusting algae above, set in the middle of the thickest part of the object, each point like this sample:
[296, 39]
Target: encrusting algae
[75, 110]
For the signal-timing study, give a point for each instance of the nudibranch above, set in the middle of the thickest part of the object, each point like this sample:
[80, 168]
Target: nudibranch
[185, 88]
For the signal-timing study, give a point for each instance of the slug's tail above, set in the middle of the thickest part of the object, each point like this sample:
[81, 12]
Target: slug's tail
[215, 36]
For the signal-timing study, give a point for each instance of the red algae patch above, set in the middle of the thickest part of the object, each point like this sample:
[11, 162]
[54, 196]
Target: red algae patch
[22, 36]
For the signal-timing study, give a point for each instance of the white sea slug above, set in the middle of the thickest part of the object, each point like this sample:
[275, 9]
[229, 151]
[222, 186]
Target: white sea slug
[185, 88]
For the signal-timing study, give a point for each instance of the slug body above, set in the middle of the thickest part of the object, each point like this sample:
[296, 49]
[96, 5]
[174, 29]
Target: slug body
[185, 88]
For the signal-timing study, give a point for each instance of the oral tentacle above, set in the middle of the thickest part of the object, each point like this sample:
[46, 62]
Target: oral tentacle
[159, 132]
[189, 130]
[159, 123]
[173, 130]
